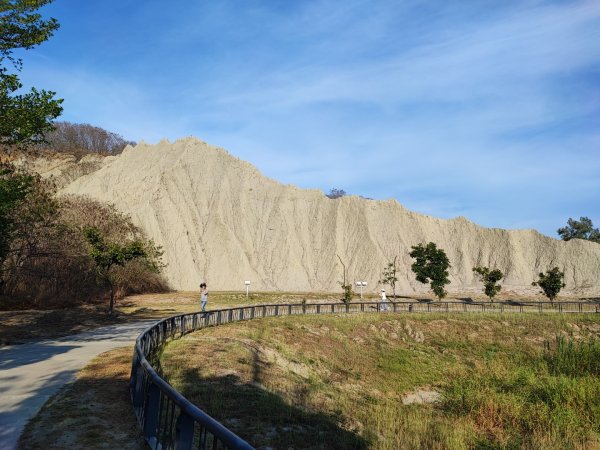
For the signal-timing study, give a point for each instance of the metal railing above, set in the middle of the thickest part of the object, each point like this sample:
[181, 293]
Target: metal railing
[170, 421]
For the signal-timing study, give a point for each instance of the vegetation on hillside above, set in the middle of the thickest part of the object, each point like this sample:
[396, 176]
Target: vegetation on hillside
[81, 138]
[335, 193]
[580, 229]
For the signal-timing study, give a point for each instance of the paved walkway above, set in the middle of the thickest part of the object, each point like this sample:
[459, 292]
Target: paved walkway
[32, 373]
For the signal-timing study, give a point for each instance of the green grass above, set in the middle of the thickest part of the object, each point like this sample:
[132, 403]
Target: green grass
[339, 381]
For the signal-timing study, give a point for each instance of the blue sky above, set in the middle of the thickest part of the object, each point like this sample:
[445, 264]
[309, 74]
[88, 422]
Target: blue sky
[485, 109]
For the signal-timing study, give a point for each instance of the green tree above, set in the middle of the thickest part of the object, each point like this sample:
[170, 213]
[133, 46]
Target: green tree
[580, 229]
[108, 255]
[388, 276]
[431, 266]
[489, 277]
[346, 286]
[551, 282]
[24, 117]
[15, 186]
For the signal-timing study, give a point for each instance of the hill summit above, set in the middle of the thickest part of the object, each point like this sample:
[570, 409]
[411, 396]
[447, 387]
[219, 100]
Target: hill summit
[220, 220]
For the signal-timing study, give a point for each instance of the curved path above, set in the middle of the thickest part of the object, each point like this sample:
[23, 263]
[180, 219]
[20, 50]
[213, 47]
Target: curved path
[32, 373]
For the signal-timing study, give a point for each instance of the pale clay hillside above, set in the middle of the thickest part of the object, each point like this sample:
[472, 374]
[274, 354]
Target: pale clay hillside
[219, 220]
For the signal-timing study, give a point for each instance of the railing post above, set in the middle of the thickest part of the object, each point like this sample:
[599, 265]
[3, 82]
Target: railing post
[540, 307]
[347, 308]
[230, 318]
[151, 412]
[184, 432]
[319, 309]
[276, 310]
[241, 313]
[219, 317]
[428, 307]
[333, 307]
[362, 307]
[290, 309]
[264, 311]
[394, 304]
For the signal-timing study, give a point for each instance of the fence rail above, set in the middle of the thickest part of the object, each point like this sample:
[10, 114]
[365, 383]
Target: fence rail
[170, 421]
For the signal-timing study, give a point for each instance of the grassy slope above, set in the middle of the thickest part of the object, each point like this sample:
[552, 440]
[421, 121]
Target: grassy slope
[339, 381]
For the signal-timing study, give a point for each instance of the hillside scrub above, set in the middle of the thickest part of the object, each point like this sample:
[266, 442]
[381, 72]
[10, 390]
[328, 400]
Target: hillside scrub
[80, 139]
[486, 381]
[46, 261]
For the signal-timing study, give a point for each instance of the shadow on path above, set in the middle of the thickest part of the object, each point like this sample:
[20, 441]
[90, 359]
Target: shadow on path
[20, 404]
[25, 354]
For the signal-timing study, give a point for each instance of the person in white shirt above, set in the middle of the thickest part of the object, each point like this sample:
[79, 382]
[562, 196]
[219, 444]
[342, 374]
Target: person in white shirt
[384, 305]
[203, 296]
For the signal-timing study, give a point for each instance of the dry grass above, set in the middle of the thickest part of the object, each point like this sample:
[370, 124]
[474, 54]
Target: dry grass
[339, 381]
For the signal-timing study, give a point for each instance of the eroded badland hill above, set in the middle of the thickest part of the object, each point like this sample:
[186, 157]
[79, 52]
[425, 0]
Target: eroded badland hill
[218, 219]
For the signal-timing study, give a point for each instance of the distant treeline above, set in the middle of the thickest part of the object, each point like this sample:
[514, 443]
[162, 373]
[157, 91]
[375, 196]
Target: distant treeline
[83, 138]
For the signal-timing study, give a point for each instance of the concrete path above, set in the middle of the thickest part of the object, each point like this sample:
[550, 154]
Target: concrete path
[32, 373]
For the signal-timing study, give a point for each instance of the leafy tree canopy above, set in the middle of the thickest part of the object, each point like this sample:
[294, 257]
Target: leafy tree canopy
[24, 118]
[550, 282]
[431, 266]
[489, 277]
[106, 255]
[15, 185]
[580, 229]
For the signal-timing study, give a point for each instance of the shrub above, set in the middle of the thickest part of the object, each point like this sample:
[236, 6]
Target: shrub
[551, 282]
[489, 277]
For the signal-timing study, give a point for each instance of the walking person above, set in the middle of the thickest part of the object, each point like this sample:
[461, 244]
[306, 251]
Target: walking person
[203, 296]
[384, 305]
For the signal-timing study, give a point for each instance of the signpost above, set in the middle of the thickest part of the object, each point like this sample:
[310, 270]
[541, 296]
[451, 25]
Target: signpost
[361, 284]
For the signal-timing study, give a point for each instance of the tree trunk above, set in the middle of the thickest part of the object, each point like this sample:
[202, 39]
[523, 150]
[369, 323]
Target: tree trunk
[111, 304]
